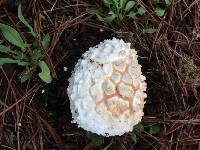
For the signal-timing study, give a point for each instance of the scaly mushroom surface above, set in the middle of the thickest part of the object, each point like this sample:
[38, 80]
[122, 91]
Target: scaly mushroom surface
[107, 89]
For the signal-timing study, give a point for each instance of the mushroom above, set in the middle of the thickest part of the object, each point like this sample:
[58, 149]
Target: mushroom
[107, 89]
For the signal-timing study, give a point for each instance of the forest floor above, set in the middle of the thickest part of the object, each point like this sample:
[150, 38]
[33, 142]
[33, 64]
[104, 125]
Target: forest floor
[37, 116]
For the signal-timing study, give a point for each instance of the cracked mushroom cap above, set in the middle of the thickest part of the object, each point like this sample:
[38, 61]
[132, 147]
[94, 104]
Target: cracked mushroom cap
[106, 89]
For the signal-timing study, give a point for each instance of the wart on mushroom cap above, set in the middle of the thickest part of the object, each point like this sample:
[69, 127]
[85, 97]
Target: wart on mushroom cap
[106, 89]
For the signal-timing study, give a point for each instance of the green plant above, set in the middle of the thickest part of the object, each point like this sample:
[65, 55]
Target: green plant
[96, 140]
[149, 30]
[136, 131]
[117, 11]
[158, 11]
[151, 129]
[160, 6]
[28, 55]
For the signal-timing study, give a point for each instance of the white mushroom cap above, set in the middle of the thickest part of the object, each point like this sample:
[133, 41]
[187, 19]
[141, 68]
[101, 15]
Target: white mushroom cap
[106, 90]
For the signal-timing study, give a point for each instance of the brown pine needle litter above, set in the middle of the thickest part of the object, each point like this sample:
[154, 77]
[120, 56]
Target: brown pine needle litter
[34, 115]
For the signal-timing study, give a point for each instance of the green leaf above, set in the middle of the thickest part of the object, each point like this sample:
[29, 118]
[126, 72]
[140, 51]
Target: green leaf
[159, 12]
[46, 41]
[2, 103]
[138, 128]
[107, 2]
[45, 75]
[121, 4]
[12, 36]
[129, 5]
[120, 17]
[141, 10]
[21, 56]
[36, 54]
[26, 76]
[22, 63]
[109, 19]
[149, 30]
[132, 15]
[93, 11]
[100, 18]
[23, 20]
[96, 140]
[116, 4]
[153, 129]
[133, 137]
[6, 61]
[5, 49]
[12, 61]
[168, 2]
